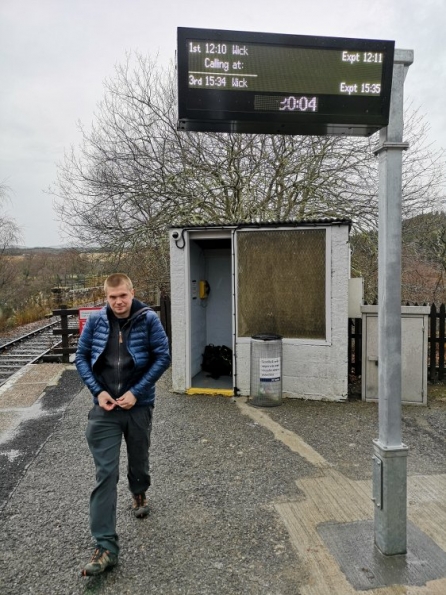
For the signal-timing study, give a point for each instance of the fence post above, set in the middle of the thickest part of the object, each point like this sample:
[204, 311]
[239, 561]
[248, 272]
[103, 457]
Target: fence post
[433, 343]
[65, 339]
[358, 346]
[441, 343]
[350, 345]
[355, 338]
[65, 331]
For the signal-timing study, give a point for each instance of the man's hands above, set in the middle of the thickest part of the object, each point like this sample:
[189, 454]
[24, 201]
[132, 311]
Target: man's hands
[126, 401]
[106, 401]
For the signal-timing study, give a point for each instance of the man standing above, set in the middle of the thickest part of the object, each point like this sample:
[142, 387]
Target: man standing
[123, 350]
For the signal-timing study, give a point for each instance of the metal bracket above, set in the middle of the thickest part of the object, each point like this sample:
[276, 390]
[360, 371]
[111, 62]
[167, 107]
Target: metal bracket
[390, 145]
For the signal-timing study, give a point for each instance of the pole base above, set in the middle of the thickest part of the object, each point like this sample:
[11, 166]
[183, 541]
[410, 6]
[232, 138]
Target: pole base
[390, 498]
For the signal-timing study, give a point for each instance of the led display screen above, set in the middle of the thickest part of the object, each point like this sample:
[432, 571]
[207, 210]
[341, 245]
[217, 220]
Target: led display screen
[233, 81]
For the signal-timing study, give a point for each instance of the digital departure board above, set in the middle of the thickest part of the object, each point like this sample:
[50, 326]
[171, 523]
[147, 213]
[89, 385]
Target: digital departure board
[234, 81]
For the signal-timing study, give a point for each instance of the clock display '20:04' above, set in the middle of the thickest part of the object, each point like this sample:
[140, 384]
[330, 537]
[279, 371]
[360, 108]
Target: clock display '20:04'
[298, 104]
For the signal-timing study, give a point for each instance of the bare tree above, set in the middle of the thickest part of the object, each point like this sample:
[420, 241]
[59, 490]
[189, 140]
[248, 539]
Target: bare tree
[135, 173]
[10, 235]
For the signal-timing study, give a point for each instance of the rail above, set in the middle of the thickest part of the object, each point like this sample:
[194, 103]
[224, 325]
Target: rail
[27, 349]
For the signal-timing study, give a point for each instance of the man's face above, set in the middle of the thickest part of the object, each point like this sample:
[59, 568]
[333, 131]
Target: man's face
[120, 300]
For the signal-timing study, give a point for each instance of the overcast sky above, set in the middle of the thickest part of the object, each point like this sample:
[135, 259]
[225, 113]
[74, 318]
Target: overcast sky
[55, 55]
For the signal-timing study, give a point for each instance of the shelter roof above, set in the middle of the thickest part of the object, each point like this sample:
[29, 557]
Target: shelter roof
[263, 224]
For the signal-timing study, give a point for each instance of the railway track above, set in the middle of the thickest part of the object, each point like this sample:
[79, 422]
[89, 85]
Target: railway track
[28, 349]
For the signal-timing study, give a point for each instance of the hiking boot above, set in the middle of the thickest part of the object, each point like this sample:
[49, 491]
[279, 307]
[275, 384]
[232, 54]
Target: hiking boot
[140, 505]
[101, 560]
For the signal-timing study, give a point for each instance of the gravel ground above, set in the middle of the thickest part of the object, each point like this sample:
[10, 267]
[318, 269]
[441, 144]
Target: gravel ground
[20, 450]
[343, 433]
[213, 528]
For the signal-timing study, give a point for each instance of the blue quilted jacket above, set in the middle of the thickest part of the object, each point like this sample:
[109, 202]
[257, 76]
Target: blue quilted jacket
[146, 343]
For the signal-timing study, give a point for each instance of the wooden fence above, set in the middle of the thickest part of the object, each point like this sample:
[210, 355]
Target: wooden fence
[436, 344]
[436, 340]
[354, 346]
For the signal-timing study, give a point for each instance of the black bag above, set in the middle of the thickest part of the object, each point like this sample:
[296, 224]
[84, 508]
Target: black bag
[217, 360]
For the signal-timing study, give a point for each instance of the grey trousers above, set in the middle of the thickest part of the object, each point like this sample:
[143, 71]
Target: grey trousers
[104, 434]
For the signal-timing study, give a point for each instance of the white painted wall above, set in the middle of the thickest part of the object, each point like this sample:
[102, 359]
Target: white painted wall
[179, 302]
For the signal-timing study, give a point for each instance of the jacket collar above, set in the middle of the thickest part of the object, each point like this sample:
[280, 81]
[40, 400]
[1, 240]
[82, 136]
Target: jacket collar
[137, 307]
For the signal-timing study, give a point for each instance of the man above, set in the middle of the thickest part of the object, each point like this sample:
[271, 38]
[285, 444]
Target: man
[123, 350]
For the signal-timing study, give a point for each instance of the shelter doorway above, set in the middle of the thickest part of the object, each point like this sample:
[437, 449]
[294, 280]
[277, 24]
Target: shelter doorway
[211, 301]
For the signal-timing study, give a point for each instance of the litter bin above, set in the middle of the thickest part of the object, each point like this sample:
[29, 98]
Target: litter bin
[266, 370]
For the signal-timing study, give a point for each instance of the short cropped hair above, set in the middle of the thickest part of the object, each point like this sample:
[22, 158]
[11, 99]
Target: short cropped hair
[117, 279]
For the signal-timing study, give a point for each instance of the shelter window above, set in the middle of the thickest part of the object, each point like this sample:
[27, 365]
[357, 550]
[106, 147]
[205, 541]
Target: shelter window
[281, 279]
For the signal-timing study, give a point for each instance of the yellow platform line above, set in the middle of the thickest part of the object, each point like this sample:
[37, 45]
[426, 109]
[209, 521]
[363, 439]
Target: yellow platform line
[225, 392]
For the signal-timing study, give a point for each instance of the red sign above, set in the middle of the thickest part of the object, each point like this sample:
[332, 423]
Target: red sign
[84, 314]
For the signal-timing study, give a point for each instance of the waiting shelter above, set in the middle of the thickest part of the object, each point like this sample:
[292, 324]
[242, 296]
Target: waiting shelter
[230, 282]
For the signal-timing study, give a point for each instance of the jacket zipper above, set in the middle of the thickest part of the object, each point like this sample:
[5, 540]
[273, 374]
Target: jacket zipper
[120, 341]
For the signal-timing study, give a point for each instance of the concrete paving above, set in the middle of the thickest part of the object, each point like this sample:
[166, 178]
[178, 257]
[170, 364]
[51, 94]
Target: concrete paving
[271, 501]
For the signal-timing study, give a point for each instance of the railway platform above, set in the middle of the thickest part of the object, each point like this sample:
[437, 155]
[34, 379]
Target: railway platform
[244, 501]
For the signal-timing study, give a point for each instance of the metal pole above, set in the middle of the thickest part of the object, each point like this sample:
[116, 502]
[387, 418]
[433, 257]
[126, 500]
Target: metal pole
[390, 454]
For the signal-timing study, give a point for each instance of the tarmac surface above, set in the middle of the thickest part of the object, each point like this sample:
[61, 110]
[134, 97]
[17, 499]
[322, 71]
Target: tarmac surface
[245, 500]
